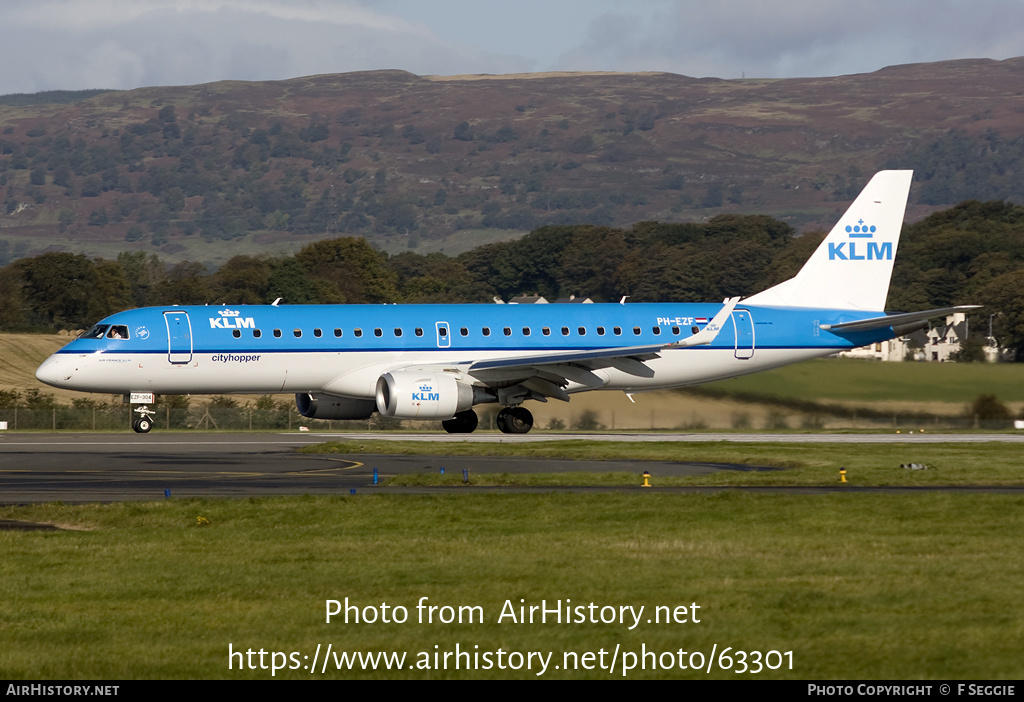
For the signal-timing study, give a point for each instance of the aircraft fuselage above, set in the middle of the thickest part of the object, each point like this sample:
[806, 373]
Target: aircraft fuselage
[344, 349]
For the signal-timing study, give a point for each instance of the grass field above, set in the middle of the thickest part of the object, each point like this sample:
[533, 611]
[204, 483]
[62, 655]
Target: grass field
[856, 586]
[21, 354]
[845, 585]
[859, 381]
[808, 465]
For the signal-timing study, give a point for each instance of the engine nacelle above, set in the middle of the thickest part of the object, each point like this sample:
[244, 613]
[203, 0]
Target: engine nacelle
[412, 395]
[324, 406]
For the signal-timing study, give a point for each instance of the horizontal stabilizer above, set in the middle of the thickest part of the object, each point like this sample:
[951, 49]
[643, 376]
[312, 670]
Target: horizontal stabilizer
[893, 320]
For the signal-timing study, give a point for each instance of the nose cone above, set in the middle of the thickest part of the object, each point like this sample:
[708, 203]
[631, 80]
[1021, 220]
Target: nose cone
[54, 371]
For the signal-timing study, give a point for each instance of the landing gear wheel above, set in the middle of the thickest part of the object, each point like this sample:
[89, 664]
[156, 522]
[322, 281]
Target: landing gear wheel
[515, 420]
[144, 422]
[461, 423]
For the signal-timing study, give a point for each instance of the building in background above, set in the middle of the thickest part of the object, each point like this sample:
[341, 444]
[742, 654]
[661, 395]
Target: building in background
[936, 344]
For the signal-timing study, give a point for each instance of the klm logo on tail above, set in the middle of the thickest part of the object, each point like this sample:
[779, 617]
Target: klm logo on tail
[848, 250]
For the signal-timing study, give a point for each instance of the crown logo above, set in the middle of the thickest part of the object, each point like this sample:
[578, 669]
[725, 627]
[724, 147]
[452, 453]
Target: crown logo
[228, 313]
[861, 230]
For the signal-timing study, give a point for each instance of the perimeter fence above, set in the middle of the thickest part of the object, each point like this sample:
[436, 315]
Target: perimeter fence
[119, 417]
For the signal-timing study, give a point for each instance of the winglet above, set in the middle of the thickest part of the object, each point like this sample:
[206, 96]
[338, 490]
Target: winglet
[710, 331]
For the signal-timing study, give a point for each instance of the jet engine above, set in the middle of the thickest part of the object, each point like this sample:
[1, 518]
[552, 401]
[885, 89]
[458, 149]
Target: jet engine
[324, 406]
[425, 395]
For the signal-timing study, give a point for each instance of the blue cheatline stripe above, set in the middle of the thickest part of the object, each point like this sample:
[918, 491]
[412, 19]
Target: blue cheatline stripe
[467, 349]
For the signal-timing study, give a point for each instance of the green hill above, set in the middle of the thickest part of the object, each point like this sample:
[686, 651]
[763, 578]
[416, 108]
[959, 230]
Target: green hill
[431, 163]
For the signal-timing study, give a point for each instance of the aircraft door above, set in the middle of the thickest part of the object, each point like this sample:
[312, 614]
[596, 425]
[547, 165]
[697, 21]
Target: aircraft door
[179, 337]
[743, 323]
[444, 337]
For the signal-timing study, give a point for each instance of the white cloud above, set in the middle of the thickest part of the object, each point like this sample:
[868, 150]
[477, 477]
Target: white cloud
[74, 44]
[76, 16]
[798, 37]
[130, 43]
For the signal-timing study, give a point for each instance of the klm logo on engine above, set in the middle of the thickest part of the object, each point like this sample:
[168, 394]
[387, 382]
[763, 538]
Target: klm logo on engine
[855, 250]
[426, 394]
[230, 319]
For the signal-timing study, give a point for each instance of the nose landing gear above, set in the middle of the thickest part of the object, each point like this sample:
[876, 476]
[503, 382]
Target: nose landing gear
[144, 422]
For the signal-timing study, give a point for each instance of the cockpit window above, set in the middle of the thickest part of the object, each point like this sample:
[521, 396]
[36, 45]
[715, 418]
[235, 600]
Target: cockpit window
[117, 331]
[96, 332]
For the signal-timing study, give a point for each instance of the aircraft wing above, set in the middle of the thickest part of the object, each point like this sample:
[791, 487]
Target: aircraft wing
[547, 375]
[605, 357]
[896, 320]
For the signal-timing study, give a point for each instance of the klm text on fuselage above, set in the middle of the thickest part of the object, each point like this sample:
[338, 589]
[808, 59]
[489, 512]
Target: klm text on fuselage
[233, 323]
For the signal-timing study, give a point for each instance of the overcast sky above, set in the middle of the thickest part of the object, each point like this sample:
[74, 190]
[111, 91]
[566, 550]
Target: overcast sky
[77, 44]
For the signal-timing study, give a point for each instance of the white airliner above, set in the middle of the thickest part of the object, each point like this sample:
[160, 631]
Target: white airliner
[438, 361]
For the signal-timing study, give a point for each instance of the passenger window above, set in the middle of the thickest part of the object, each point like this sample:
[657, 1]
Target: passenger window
[636, 331]
[256, 333]
[378, 332]
[236, 333]
[398, 331]
[297, 333]
[337, 333]
[546, 331]
[656, 330]
[464, 331]
[419, 331]
[565, 331]
[617, 331]
[675, 331]
[442, 332]
[118, 331]
[318, 333]
[600, 331]
[526, 331]
[486, 331]
[357, 331]
[507, 331]
[277, 333]
[582, 331]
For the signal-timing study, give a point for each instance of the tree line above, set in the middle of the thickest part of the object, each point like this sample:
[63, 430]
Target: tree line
[970, 254]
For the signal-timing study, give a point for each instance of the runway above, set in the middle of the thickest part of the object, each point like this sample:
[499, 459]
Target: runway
[107, 467]
[110, 467]
[484, 438]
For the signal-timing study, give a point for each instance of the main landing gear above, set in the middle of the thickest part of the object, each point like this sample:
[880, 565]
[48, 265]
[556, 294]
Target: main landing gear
[144, 422]
[461, 423]
[514, 420]
[510, 420]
